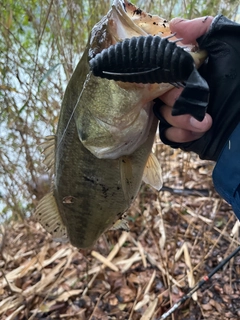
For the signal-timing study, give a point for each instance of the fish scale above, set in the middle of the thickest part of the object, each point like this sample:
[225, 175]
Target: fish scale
[87, 191]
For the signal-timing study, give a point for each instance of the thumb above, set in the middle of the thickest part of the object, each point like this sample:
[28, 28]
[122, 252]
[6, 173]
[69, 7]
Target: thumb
[190, 30]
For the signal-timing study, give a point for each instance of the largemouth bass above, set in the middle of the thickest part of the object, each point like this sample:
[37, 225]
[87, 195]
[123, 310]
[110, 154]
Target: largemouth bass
[102, 148]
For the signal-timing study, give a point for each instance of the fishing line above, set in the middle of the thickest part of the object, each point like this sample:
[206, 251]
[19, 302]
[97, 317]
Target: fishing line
[199, 285]
[75, 107]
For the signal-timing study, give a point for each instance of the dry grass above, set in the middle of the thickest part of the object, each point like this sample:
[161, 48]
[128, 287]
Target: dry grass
[174, 240]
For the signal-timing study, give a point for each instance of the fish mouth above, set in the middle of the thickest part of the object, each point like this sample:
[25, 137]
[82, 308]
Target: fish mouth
[135, 22]
[124, 20]
[116, 26]
[140, 21]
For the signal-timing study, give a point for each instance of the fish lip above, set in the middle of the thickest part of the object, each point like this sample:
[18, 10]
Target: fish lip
[119, 6]
[121, 9]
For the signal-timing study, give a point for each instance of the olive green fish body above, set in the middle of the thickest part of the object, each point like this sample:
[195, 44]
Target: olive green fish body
[88, 190]
[102, 148]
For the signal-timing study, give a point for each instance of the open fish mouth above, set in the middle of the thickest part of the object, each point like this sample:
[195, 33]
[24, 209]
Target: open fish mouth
[139, 21]
[125, 20]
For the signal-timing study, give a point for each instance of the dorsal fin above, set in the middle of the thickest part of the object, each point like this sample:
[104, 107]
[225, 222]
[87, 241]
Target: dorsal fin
[48, 216]
[153, 173]
[120, 224]
[48, 147]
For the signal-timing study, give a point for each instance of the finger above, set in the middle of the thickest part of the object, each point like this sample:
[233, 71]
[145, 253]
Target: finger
[186, 122]
[181, 135]
[170, 97]
[190, 30]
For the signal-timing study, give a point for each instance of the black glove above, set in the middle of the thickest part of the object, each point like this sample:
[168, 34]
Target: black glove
[222, 73]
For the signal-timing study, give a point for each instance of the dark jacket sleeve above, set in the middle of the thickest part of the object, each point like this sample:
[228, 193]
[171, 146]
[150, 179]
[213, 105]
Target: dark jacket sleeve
[226, 174]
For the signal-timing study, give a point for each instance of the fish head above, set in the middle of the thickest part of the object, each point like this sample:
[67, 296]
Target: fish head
[116, 121]
[113, 118]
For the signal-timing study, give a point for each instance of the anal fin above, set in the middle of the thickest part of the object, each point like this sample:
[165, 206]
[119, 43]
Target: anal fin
[153, 173]
[48, 216]
[120, 224]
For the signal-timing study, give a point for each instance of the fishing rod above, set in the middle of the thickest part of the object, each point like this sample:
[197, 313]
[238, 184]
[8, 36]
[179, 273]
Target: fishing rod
[199, 285]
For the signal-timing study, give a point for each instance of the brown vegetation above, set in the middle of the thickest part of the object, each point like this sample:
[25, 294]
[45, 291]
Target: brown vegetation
[174, 241]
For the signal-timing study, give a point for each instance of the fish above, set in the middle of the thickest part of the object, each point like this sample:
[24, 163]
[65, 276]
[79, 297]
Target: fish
[102, 150]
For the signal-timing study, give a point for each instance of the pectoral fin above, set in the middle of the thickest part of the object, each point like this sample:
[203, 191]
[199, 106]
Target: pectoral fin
[48, 147]
[153, 173]
[126, 177]
[121, 224]
[48, 216]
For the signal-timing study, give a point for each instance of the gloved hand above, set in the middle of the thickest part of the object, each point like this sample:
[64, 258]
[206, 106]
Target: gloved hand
[222, 72]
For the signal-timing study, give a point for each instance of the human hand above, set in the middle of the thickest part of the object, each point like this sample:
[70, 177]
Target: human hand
[220, 38]
[185, 128]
